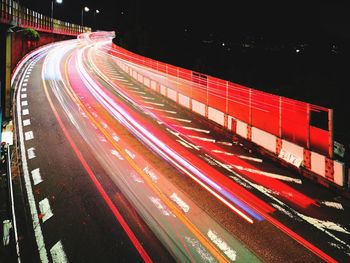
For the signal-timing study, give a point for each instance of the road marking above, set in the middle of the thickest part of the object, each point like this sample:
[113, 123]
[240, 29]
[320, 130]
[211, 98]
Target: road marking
[222, 245]
[24, 89]
[57, 253]
[31, 153]
[117, 154]
[193, 129]
[147, 98]
[151, 174]
[116, 138]
[132, 156]
[133, 87]
[178, 119]
[7, 225]
[154, 103]
[333, 205]
[45, 209]
[167, 111]
[24, 103]
[139, 92]
[240, 156]
[160, 206]
[23, 96]
[250, 158]
[202, 138]
[36, 176]
[184, 144]
[184, 207]
[29, 135]
[225, 143]
[26, 122]
[272, 175]
[31, 200]
[24, 85]
[25, 80]
[120, 79]
[197, 246]
[25, 112]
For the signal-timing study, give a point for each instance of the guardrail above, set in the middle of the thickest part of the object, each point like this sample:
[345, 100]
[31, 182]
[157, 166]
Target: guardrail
[287, 129]
[14, 14]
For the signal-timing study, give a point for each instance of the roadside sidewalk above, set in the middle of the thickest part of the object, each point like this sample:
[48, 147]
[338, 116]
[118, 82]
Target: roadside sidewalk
[7, 244]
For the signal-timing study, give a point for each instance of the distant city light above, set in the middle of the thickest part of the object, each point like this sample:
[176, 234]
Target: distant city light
[297, 50]
[86, 9]
[223, 44]
[97, 11]
[59, 1]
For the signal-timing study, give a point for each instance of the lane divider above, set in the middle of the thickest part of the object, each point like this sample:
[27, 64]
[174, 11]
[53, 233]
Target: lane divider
[30, 195]
[206, 243]
[92, 176]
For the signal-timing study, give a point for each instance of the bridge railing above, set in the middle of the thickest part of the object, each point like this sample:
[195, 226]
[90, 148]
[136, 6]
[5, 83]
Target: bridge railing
[292, 131]
[14, 14]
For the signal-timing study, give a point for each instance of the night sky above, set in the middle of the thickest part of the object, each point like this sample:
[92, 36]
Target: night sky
[276, 19]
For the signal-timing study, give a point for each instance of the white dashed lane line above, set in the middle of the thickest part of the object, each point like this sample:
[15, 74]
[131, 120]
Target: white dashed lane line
[25, 112]
[24, 103]
[57, 253]
[26, 122]
[31, 153]
[36, 176]
[45, 209]
[178, 119]
[29, 135]
[28, 184]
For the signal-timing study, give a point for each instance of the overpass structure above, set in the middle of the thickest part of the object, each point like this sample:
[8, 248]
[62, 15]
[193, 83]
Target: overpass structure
[298, 134]
[13, 47]
[161, 153]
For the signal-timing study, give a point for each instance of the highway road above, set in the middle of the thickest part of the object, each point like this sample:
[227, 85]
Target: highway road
[110, 171]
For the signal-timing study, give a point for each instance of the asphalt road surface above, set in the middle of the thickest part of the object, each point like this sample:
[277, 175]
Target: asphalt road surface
[110, 171]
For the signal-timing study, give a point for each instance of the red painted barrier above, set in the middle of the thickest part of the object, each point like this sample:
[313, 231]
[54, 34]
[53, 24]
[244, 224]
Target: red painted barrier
[283, 117]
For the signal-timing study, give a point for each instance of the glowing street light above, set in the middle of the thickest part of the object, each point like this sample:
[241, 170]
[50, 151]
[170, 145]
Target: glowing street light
[84, 9]
[96, 13]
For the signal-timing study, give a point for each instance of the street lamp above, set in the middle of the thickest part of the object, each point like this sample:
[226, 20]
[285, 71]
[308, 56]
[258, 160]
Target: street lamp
[52, 7]
[96, 13]
[84, 9]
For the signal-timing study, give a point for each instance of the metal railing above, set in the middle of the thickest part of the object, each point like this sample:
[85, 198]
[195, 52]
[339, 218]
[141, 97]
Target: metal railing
[283, 117]
[16, 15]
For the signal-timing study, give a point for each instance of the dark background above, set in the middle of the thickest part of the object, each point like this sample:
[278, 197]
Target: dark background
[298, 49]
